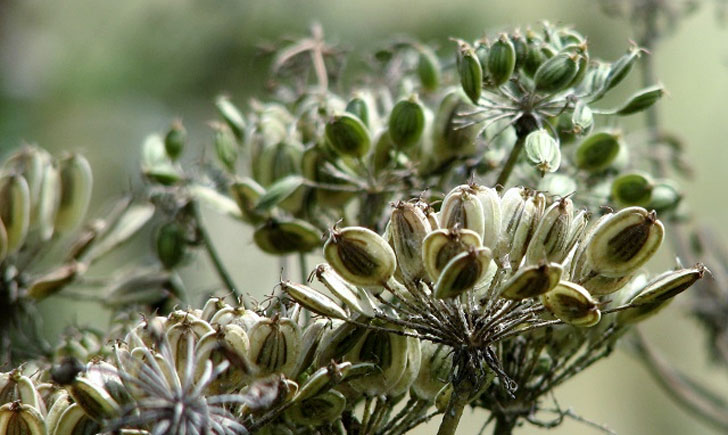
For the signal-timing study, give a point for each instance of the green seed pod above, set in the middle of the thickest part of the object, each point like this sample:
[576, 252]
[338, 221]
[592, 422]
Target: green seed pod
[501, 60]
[389, 352]
[357, 299]
[462, 207]
[534, 59]
[556, 73]
[406, 123]
[281, 237]
[319, 410]
[246, 193]
[279, 161]
[94, 399]
[321, 379]
[665, 196]
[156, 165]
[278, 193]
[624, 242]
[551, 237]
[521, 47]
[471, 73]
[14, 210]
[232, 116]
[582, 119]
[543, 151]
[443, 397]
[18, 418]
[435, 368]
[463, 273]
[348, 136]
[171, 244]
[408, 227]
[313, 300]
[668, 285]
[76, 184]
[448, 140]
[598, 151]
[491, 204]
[619, 69]
[441, 246]
[275, 345]
[428, 68]
[532, 281]
[359, 108]
[49, 199]
[641, 100]
[175, 140]
[360, 256]
[226, 146]
[632, 189]
[572, 304]
[522, 210]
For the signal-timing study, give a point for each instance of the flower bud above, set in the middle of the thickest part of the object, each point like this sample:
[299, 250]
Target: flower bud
[532, 281]
[624, 242]
[632, 189]
[542, 151]
[572, 304]
[406, 123]
[501, 60]
[232, 116]
[641, 100]
[275, 345]
[598, 151]
[313, 300]
[348, 136]
[471, 73]
[281, 237]
[76, 184]
[408, 227]
[441, 246]
[14, 211]
[174, 140]
[463, 208]
[360, 256]
[556, 73]
[463, 273]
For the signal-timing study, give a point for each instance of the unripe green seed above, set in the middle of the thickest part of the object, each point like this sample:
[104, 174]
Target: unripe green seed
[632, 189]
[348, 136]
[232, 116]
[313, 300]
[15, 210]
[555, 74]
[501, 60]
[428, 69]
[281, 237]
[598, 151]
[226, 147]
[641, 100]
[543, 151]
[171, 244]
[174, 140]
[406, 123]
[359, 108]
[471, 73]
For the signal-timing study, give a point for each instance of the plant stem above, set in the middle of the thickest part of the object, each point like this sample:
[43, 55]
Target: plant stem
[461, 396]
[503, 425]
[511, 162]
[215, 259]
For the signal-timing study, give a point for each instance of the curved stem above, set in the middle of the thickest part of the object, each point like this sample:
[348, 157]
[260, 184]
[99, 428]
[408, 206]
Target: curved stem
[511, 162]
[454, 411]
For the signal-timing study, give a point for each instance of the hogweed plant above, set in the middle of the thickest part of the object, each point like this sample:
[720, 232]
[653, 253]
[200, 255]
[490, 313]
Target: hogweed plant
[483, 226]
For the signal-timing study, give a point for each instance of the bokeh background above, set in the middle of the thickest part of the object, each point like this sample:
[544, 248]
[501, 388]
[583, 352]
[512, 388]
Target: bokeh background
[98, 76]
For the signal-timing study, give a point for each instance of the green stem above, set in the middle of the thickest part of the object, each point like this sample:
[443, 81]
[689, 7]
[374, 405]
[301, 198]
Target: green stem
[512, 159]
[460, 397]
[503, 425]
[225, 277]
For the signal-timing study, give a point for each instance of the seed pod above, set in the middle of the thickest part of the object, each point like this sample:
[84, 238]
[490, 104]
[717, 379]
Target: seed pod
[348, 136]
[434, 372]
[582, 119]
[60, 402]
[74, 421]
[624, 242]
[501, 60]
[319, 410]
[279, 193]
[359, 108]
[555, 74]
[491, 204]
[232, 116]
[665, 196]
[543, 151]
[183, 337]
[15, 386]
[532, 281]
[641, 100]
[337, 342]
[14, 210]
[355, 298]
[441, 246]
[21, 419]
[412, 368]
[580, 268]
[360, 256]
[321, 379]
[521, 211]
[45, 285]
[228, 343]
[279, 237]
[174, 140]
[463, 273]
[632, 189]
[246, 193]
[171, 244]
[450, 141]
[389, 352]
[551, 238]
[76, 184]
[408, 227]
[275, 345]
[463, 208]
[443, 397]
[428, 68]
[406, 123]
[313, 300]
[619, 69]
[572, 304]
[49, 198]
[534, 59]
[310, 342]
[278, 161]
[598, 151]
[156, 164]
[94, 399]
[471, 73]
[226, 146]
[600, 285]
[668, 285]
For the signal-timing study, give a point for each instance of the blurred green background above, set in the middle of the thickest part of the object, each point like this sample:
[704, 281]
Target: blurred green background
[97, 77]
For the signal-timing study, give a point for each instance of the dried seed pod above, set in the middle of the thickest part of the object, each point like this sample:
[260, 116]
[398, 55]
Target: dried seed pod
[337, 342]
[53, 281]
[389, 352]
[551, 237]
[406, 123]
[463, 273]
[348, 136]
[462, 207]
[14, 386]
[668, 285]
[522, 210]
[501, 60]
[281, 237]
[470, 71]
[76, 184]
[74, 421]
[408, 227]
[360, 256]
[412, 368]
[428, 68]
[632, 189]
[624, 242]
[232, 116]
[435, 369]
[318, 410]
[443, 397]
[598, 151]
[14, 210]
[310, 340]
[355, 298]
[94, 399]
[441, 246]
[228, 343]
[600, 285]
[542, 151]
[60, 402]
[275, 345]
[185, 335]
[556, 73]
[572, 304]
[492, 215]
[21, 419]
[321, 379]
[174, 140]
[532, 281]
[313, 300]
